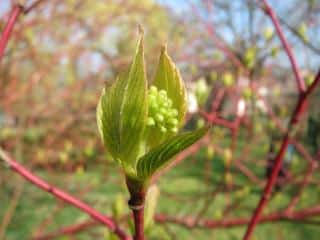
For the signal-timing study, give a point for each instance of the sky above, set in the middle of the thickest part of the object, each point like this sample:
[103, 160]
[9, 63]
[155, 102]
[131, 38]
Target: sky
[4, 6]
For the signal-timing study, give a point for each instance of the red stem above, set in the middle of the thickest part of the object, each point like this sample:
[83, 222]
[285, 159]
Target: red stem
[269, 11]
[13, 16]
[299, 110]
[138, 216]
[58, 193]
[70, 230]
[16, 11]
[190, 222]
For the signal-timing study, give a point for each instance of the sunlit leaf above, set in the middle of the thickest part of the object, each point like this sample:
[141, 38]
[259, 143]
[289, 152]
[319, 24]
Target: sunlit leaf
[160, 155]
[168, 78]
[122, 111]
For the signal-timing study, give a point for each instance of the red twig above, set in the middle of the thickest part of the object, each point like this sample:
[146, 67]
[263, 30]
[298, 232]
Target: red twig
[190, 222]
[138, 216]
[67, 230]
[214, 119]
[16, 11]
[269, 11]
[218, 99]
[94, 214]
[13, 16]
[299, 110]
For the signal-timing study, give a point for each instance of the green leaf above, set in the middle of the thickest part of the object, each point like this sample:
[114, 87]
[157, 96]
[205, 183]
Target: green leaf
[168, 78]
[122, 112]
[160, 155]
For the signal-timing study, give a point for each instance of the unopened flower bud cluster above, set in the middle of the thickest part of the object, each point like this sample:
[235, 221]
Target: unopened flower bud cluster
[161, 114]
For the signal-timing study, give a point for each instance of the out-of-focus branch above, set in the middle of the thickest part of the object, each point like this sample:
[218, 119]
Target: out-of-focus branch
[13, 17]
[307, 43]
[69, 230]
[190, 222]
[299, 110]
[269, 11]
[16, 11]
[58, 193]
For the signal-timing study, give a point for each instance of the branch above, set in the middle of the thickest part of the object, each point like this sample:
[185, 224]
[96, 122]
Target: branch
[299, 110]
[13, 17]
[269, 11]
[296, 33]
[190, 222]
[94, 214]
[69, 230]
[16, 11]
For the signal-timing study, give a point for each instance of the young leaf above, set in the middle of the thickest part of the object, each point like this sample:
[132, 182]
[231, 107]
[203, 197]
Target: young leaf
[160, 155]
[122, 111]
[168, 78]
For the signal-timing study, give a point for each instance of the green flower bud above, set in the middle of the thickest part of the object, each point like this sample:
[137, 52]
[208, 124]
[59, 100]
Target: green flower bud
[169, 103]
[139, 125]
[163, 111]
[163, 94]
[159, 117]
[163, 129]
[150, 121]
[173, 113]
[162, 115]
[153, 89]
[173, 121]
[174, 130]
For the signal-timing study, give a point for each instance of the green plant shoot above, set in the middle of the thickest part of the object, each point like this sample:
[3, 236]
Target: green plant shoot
[139, 125]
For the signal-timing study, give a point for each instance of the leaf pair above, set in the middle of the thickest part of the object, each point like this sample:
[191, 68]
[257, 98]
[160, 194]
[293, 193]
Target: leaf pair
[122, 115]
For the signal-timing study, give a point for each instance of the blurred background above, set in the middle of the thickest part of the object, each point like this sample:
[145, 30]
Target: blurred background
[238, 76]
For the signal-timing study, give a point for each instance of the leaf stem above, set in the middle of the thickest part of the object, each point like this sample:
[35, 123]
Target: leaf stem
[136, 203]
[138, 216]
